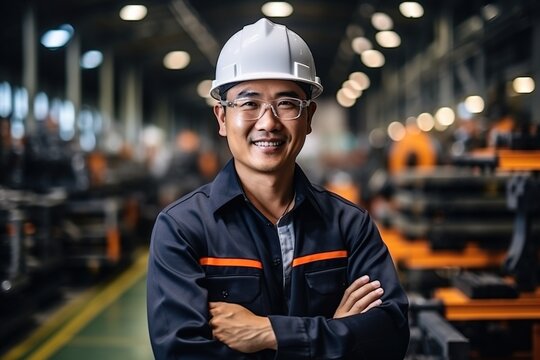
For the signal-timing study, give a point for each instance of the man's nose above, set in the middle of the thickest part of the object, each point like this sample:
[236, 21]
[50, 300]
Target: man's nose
[268, 120]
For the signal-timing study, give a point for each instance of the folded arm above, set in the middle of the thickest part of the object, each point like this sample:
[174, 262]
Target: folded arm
[246, 332]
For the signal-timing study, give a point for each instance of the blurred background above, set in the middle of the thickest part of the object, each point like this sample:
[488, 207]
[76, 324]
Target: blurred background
[429, 119]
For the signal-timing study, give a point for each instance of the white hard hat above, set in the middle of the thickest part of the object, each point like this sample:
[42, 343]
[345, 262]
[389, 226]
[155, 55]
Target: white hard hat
[265, 50]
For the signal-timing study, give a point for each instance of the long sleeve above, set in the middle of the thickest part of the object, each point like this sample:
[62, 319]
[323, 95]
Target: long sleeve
[380, 333]
[177, 303]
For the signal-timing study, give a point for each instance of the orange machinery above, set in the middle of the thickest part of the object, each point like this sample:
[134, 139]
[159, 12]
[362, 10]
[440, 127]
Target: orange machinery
[518, 261]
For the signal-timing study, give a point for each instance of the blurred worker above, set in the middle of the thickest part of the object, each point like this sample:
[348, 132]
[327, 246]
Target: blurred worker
[260, 263]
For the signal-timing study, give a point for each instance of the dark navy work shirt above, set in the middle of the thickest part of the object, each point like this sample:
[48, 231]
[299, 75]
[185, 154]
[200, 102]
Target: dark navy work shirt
[214, 245]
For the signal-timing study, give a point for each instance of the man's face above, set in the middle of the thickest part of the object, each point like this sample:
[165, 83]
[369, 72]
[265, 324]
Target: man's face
[267, 145]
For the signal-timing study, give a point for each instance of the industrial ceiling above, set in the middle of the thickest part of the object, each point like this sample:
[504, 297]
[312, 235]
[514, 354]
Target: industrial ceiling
[201, 27]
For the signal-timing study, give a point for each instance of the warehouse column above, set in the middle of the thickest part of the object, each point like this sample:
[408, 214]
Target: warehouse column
[132, 104]
[443, 46]
[106, 90]
[30, 63]
[73, 73]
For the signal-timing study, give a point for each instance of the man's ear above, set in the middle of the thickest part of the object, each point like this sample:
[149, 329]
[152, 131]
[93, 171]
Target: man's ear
[219, 112]
[310, 112]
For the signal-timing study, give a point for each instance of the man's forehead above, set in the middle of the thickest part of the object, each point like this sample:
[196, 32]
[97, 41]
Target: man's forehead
[266, 87]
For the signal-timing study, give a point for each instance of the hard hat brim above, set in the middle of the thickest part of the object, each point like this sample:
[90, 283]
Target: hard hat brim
[215, 92]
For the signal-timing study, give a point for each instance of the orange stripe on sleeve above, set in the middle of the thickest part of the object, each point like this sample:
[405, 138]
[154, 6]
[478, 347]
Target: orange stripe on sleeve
[212, 261]
[320, 256]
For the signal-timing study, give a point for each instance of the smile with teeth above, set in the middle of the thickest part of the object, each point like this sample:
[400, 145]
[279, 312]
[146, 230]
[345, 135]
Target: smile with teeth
[268, 143]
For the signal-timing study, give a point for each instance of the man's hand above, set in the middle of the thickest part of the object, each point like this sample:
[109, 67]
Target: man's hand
[359, 297]
[240, 329]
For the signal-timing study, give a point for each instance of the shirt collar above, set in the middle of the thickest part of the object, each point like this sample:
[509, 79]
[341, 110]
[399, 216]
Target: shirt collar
[226, 188]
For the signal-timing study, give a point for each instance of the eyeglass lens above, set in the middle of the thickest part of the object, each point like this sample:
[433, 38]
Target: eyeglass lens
[253, 109]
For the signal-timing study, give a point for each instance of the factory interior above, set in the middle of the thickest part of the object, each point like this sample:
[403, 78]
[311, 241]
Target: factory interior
[429, 119]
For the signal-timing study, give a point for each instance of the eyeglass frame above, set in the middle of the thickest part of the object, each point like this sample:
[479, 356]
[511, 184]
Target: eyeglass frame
[304, 103]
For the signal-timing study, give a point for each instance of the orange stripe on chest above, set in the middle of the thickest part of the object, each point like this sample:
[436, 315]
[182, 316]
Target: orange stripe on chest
[212, 261]
[320, 256]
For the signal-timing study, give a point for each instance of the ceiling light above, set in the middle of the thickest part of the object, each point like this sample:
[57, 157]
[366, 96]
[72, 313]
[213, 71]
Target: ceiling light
[56, 38]
[176, 60]
[445, 116]
[20, 103]
[474, 104]
[373, 58]
[5, 99]
[490, 12]
[425, 121]
[388, 39]
[411, 9]
[277, 9]
[203, 89]
[344, 99]
[41, 106]
[133, 12]
[352, 88]
[523, 85]
[360, 44]
[66, 120]
[91, 59]
[381, 21]
[396, 131]
[360, 78]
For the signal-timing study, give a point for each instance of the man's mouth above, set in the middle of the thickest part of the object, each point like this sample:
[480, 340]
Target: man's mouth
[268, 143]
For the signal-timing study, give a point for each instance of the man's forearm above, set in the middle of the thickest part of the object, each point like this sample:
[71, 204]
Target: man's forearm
[240, 329]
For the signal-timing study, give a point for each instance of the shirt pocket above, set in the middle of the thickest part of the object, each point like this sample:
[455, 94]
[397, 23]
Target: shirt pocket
[238, 289]
[325, 290]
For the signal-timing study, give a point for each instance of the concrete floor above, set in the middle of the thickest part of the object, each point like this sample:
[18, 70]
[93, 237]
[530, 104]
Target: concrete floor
[105, 322]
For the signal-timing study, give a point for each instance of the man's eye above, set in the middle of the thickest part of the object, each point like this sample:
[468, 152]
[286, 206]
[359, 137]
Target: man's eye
[247, 104]
[286, 103]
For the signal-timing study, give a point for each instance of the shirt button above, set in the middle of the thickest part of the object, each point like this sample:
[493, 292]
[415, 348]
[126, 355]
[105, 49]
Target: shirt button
[224, 294]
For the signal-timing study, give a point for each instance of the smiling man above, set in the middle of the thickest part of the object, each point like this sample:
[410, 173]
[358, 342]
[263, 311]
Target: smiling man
[261, 263]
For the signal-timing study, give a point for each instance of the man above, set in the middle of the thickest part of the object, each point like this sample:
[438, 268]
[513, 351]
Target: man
[260, 263]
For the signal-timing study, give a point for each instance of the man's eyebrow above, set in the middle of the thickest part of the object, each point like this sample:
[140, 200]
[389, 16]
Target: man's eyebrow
[247, 93]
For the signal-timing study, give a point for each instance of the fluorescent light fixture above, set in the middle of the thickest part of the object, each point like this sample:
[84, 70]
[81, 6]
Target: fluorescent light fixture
[388, 39]
[373, 58]
[411, 9]
[66, 121]
[345, 99]
[360, 44]
[425, 121]
[352, 88]
[41, 106]
[176, 60]
[203, 89]
[396, 131]
[474, 104]
[133, 12]
[490, 12]
[20, 103]
[277, 9]
[56, 38]
[5, 99]
[91, 59]
[523, 85]
[381, 21]
[445, 116]
[361, 78]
